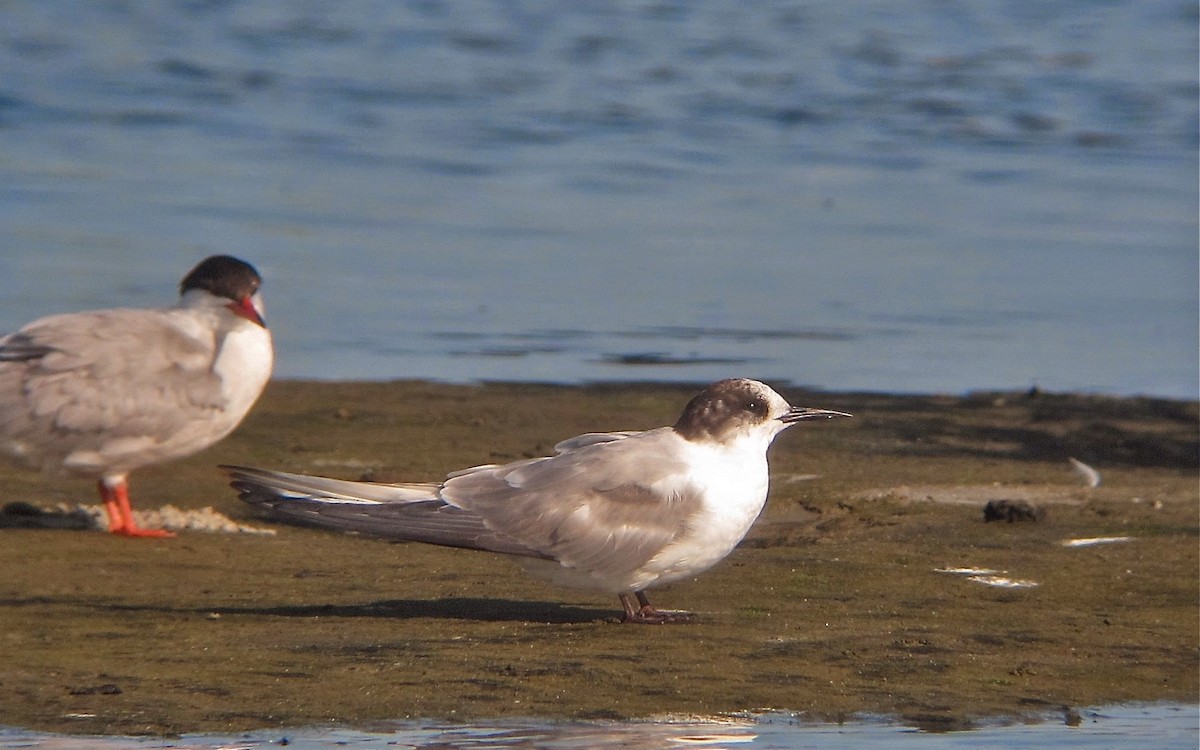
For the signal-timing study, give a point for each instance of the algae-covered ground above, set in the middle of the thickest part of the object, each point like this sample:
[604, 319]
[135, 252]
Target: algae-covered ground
[834, 604]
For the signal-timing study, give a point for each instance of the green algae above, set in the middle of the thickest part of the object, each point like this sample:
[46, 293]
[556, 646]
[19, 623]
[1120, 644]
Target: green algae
[833, 605]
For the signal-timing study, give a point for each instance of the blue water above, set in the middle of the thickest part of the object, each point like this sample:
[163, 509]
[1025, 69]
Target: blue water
[1148, 727]
[890, 195]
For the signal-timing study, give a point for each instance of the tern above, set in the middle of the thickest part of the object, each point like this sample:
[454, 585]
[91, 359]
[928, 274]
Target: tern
[102, 393]
[615, 512]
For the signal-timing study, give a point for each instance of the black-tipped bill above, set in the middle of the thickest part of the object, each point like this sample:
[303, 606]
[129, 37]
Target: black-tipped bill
[799, 413]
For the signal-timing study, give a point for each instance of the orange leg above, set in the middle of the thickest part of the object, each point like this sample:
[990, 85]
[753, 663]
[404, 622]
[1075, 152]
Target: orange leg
[120, 515]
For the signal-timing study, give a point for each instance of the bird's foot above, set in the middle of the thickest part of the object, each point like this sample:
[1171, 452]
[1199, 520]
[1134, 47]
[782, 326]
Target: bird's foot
[644, 613]
[652, 616]
[115, 494]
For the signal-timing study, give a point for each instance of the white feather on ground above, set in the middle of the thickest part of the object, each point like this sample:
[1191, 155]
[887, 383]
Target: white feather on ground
[1093, 541]
[1091, 477]
[989, 577]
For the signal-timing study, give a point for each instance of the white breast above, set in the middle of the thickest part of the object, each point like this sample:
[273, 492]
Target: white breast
[733, 490]
[244, 365]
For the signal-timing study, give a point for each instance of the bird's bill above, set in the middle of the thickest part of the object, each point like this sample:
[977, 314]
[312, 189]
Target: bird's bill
[245, 308]
[799, 413]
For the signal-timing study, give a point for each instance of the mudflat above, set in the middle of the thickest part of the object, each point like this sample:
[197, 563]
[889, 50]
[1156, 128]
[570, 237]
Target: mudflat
[872, 582]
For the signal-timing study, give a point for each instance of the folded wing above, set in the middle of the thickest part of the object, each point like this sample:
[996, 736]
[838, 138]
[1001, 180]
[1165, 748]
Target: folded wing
[119, 373]
[607, 506]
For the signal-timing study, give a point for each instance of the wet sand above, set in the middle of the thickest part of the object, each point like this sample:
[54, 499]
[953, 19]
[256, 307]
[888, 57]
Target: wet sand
[834, 605]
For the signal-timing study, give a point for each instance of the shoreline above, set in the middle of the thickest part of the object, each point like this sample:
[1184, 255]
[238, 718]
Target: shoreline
[1031, 389]
[833, 605]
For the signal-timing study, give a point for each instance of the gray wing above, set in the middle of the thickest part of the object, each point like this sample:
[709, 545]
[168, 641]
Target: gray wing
[116, 372]
[606, 507]
[406, 512]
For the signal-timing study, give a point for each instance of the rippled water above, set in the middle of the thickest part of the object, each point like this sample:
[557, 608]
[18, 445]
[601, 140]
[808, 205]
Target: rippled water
[1150, 727]
[898, 195]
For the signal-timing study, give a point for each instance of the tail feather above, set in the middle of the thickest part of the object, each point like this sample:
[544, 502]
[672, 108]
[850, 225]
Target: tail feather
[333, 490]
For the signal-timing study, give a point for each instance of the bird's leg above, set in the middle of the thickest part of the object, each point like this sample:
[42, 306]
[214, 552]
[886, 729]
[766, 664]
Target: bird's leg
[646, 614]
[631, 613]
[115, 494]
[116, 522]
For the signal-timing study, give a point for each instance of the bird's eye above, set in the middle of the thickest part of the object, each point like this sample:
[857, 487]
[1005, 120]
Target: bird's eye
[757, 406]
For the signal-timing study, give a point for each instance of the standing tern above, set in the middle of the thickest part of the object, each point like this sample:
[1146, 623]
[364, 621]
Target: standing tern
[616, 512]
[101, 393]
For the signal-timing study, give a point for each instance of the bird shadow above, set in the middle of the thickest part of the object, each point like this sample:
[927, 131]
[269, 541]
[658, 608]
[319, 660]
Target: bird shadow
[454, 608]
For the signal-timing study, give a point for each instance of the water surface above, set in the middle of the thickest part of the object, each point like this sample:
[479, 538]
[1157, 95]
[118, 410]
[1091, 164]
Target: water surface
[1149, 727]
[897, 196]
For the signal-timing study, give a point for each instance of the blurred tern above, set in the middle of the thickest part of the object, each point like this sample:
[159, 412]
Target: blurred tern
[105, 392]
[616, 512]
